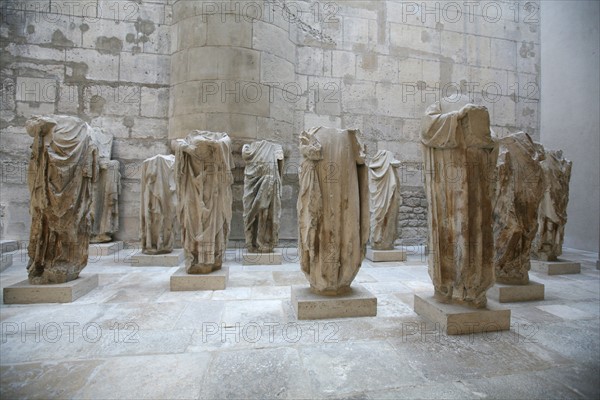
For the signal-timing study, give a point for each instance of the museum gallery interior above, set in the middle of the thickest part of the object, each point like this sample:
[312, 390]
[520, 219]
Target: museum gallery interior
[299, 200]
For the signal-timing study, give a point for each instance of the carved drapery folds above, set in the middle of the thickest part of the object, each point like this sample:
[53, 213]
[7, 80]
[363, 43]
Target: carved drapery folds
[384, 187]
[333, 208]
[262, 194]
[460, 159]
[203, 164]
[158, 205]
[62, 167]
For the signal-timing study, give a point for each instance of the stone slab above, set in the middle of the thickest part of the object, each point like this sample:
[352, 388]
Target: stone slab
[386, 255]
[182, 281]
[7, 246]
[453, 319]
[26, 293]
[513, 293]
[273, 258]
[172, 259]
[359, 302]
[105, 249]
[6, 260]
[560, 267]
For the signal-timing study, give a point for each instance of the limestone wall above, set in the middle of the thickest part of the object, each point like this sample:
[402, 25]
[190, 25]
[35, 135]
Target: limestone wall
[148, 71]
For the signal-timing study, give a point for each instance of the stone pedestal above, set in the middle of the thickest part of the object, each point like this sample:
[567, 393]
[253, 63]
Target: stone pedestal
[7, 246]
[26, 293]
[512, 293]
[359, 302]
[172, 259]
[104, 249]
[560, 267]
[273, 258]
[386, 255]
[182, 281]
[6, 260]
[453, 319]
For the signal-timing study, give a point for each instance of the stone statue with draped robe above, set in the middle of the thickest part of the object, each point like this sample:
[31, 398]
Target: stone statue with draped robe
[552, 214]
[105, 191]
[203, 164]
[460, 160]
[262, 195]
[384, 187]
[158, 205]
[519, 190]
[62, 168]
[333, 208]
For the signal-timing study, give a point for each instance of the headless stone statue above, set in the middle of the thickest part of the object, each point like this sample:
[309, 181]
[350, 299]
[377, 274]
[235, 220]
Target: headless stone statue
[384, 187]
[460, 159]
[519, 190]
[62, 167]
[105, 191]
[333, 208]
[203, 164]
[158, 205]
[552, 214]
[262, 194]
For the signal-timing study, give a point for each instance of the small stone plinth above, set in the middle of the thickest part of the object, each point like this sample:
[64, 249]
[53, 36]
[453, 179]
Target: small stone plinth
[359, 302]
[6, 260]
[560, 267]
[172, 259]
[26, 293]
[386, 255]
[273, 258]
[182, 281]
[105, 249]
[6, 246]
[513, 293]
[453, 319]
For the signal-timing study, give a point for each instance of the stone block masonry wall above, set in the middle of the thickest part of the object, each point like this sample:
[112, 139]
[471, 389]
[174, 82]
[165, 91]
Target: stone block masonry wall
[146, 71]
[107, 62]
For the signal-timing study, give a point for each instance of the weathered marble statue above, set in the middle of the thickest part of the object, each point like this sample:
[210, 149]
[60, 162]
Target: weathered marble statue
[262, 195]
[460, 160]
[105, 191]
[203, 164]
[552, 214]
[519, 190]
[333, 208]
[384, 187]
[158, 205]
[61, 169]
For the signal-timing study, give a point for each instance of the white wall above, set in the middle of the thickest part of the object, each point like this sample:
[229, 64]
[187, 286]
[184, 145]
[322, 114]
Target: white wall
[570, 108]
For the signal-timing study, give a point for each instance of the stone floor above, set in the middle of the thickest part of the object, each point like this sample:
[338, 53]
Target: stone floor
[133, 338]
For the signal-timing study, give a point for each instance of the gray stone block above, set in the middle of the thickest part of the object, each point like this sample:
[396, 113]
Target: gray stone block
[182, 281]
[386, 255]
[513, 293]
[359, 302]
[26, 293]
[560, 267]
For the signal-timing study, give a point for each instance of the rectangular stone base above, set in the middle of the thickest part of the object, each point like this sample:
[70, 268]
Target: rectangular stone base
[560, 267]
[26, 293]
[105, 249]
[455, 319]
[182, 281]
[512, 293]
[6, 260]
[386, 255]
[172, 259]
[6, 246]
[357, 303]
[273, 258]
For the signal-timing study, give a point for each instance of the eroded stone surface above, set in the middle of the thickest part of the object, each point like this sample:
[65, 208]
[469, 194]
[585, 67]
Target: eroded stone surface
[158, 205]
[519, 190]
[203, 164]
[460, 158]
[384, 187]
[333, 208]
[61, 169]
[105, 191]
[552, 214]
[262, 195]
